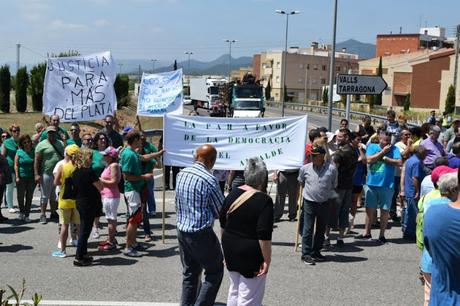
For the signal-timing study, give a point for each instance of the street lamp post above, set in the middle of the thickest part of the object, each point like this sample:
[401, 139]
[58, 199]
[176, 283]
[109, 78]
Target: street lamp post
[189, 53]
[153, 65]
[285, 56]
[230, 42]
[332, 70]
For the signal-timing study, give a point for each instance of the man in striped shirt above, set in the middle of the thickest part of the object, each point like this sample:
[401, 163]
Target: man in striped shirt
[198, 202]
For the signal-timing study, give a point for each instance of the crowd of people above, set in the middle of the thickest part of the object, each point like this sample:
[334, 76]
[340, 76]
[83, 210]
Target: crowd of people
[406, 174]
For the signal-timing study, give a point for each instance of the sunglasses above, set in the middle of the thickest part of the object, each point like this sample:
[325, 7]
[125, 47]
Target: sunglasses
[27, 142]
[73, 130]
[4, 136]
[16, 131]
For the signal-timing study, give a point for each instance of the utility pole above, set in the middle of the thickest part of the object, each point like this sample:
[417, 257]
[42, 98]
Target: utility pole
[153, 65]
[18, 56]
[230, 42]
[457, 35]
[332, 70]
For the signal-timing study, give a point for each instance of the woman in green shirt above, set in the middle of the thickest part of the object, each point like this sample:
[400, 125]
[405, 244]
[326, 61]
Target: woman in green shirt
[10, 146]
[24, 170]
[100, 143]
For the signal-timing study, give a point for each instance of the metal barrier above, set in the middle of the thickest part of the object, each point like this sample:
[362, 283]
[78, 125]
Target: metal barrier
[335, 111]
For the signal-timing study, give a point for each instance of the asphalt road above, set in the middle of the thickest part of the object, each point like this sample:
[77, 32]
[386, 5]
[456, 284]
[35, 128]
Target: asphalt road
[362, 273]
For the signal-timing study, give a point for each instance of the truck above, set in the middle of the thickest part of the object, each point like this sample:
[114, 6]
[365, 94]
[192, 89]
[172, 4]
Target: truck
[204, 92]
[247, 99]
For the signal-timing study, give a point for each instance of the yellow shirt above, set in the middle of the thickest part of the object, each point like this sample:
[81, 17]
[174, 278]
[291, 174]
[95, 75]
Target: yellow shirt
[67, 171]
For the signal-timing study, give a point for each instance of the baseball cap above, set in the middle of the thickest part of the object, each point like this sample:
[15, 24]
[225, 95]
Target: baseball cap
[110, 151]
[439, 171]
[72, 149]
[318, 150]
[51, 128]
[127, 129]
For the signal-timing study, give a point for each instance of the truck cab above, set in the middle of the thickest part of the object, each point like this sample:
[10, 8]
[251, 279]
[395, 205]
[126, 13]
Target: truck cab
[247, 101]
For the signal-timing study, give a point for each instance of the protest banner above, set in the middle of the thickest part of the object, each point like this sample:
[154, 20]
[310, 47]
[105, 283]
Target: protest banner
[160, 93]
[279, 142]
[80, 88]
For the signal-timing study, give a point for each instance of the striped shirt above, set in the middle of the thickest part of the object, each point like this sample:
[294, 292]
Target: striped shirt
[198, 199]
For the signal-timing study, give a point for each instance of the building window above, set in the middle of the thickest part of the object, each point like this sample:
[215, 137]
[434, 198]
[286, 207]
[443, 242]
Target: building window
[278, 64]
[315, 67]
[337, 68]
[308, 66]
[323, 81]
[277, 79]
[324, 67]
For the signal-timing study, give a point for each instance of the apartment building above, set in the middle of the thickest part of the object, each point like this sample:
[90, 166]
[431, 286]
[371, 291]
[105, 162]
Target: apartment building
[307, 70]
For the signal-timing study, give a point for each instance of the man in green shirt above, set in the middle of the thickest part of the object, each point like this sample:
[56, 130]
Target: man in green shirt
[74, 135]
[134, 181]
[47, 154]
[62, 133]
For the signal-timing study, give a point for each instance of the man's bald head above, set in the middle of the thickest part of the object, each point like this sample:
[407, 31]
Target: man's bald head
[206, 154]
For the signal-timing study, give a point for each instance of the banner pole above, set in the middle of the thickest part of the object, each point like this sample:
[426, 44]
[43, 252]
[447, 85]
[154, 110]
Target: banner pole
[299, 209]
[163, 224]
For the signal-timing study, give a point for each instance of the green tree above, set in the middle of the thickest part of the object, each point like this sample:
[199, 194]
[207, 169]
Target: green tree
[175, 65]
[5, 88]
[268, 90]
[378, 98]
[407, 103]
[450, 100]
[325, 95]
[36, 83]
[22, 81]
[121, 87]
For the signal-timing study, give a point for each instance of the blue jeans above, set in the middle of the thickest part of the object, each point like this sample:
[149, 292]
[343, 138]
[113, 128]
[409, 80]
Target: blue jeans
[409, 217]
[314, 212]
[200, 251]
[151, 205]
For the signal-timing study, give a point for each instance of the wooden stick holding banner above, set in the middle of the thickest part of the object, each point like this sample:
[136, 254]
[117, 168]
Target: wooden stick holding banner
[163, 214]
[297, 228]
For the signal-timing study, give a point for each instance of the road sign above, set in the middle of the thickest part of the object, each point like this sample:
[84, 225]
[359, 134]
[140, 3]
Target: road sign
[357, 84]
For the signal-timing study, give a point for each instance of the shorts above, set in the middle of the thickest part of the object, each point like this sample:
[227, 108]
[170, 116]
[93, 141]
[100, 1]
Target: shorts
[378, 197]
[47, 189]
[133, 199]
[111, 207]
[68, 215]
[357, 189]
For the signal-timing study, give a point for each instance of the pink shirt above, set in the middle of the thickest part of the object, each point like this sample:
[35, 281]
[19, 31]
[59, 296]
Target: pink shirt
[109, 192]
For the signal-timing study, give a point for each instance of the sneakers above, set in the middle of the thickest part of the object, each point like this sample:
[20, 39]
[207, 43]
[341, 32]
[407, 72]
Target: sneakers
[148, 238]
[59, 254]
[318, 257]
[131, 252]
[382, 239]
[340, 243]
[22, 217]
[308, 260]
[12, 211]
[95, 234]
[363, 237]
[73, 242]
[43, 219]
[27, 219]
[108, 246]
[81, 263]
[139, 247]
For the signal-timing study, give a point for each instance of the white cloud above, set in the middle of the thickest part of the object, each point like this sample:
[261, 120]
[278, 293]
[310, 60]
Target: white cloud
[61, 25]
[101, 23]
[34, 11]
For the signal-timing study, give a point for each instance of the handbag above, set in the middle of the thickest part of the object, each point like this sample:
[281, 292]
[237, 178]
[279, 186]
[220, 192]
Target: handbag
[69, 192]
[241, 200]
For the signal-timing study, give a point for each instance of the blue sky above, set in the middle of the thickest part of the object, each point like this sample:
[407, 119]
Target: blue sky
[165, 29]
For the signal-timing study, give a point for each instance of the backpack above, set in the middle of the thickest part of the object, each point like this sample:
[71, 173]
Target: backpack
[419, 224]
